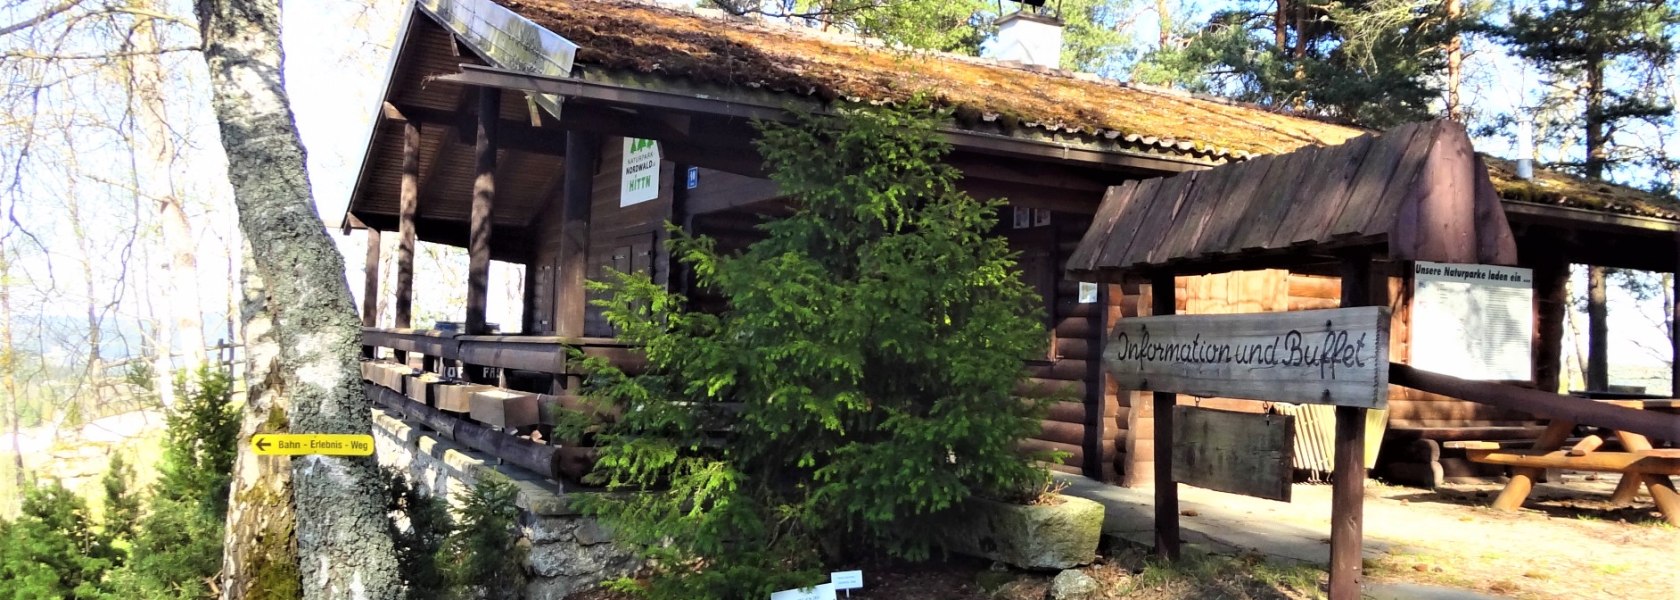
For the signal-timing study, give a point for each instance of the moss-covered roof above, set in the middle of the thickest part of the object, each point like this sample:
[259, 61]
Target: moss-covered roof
[707, 47]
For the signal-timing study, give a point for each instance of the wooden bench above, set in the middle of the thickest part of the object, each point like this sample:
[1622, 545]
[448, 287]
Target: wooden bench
[1636, 460]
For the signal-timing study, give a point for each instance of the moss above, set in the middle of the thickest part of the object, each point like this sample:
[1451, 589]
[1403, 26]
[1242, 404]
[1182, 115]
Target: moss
[273, 566]
[276, 420]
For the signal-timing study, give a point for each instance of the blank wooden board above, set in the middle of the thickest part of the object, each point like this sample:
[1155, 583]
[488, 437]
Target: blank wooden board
[1240, 453]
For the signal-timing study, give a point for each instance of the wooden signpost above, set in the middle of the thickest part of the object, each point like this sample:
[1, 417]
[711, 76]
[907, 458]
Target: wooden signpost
[1337, 356]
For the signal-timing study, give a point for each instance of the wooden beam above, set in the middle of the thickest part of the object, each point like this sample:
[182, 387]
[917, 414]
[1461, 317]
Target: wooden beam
[1096, 402]
[1653, 424]
[571, 300]
[512, 134]
[370, 281]
[406, 216]
[483, 205]
[1347, 495]
[1674, 324]
[1163, 302]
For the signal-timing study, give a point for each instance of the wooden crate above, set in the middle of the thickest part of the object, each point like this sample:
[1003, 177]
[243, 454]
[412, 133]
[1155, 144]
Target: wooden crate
[456, 397]
[506, 409]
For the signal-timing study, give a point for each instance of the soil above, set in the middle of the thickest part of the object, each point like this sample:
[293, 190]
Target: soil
[1123, 572]
[1568, 542]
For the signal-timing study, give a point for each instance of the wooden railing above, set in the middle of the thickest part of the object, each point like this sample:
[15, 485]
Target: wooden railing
[1547, 405]
[541, 355]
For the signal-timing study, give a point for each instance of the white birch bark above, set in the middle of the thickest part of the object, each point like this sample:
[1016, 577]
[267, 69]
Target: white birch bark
[344, 546]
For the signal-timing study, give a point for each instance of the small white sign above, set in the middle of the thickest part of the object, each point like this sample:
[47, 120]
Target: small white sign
[639, 179]
[1087, 292]
[1041, 217]
[821, 592]
[847, 580]
[1023, 217]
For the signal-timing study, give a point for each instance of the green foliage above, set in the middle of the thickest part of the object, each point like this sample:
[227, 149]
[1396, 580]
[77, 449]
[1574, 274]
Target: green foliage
[200, 442]
[859, 378]
[419, 526]
[53, 551]
[1378, 63]
[178, 545]
[482, 557]
[1580, 45]
[122, 505]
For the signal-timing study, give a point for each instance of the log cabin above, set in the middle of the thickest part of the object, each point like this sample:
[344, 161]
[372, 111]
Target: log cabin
[563, 135]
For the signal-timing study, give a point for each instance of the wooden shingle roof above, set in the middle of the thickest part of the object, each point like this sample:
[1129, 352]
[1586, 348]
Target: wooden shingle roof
[1418, 189]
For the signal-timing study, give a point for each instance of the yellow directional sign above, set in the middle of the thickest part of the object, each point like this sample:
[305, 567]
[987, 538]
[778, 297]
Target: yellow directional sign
[331, 444]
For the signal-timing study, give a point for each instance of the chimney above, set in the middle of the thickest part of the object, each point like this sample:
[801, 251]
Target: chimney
[1525, 148]
[1030, 38]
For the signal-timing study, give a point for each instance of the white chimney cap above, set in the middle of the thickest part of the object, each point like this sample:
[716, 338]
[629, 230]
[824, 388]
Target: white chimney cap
[1028, 38]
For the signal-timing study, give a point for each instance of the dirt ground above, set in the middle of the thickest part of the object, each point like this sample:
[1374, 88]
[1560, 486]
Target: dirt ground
[1567, 542]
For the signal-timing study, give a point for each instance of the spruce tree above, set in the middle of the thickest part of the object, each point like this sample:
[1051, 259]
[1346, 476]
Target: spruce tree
[858, 381]
[122, 505]
[53, 551]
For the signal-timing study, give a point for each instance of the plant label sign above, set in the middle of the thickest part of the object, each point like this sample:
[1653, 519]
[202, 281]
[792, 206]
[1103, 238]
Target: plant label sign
[821, 592]
[847, 580]
[1337, 356]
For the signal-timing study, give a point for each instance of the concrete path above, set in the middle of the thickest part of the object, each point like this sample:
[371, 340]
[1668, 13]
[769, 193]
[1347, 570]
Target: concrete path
[1230, 524]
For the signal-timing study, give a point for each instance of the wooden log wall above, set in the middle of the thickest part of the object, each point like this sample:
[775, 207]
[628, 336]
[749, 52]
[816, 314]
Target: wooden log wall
[1087, 412]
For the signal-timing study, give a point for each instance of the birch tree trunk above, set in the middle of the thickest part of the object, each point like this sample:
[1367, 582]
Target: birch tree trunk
[344, 546]
[259, 559]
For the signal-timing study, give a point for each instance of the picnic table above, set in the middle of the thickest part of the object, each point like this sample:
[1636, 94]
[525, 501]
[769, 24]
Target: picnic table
[1638, 462]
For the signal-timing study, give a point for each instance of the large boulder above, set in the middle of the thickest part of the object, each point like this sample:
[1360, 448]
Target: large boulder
[1061, 533]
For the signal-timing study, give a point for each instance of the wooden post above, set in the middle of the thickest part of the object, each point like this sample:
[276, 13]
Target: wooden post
[1598, 332]
[1163, 302]
[370, 288]
[408, 211]
[483, 204]
[370, 281]
[1551, 278]
[1096, 393]
[571, 301]
[1347, 509]
[1674, 324]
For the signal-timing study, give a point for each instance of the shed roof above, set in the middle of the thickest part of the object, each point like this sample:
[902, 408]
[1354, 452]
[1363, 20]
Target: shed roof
[1418, 189]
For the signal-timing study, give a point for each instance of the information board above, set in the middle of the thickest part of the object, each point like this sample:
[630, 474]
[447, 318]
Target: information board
[1473, 321]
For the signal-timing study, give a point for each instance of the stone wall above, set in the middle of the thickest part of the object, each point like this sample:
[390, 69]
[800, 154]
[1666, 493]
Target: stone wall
[568, 552]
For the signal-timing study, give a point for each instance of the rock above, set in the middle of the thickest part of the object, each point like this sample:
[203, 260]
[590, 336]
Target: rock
[1072, 585]
[1059, 535]
[570, 560]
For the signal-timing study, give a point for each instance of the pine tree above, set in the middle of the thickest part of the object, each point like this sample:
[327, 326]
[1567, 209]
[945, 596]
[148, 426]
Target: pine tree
[1376, 63]
[52, 551]
[1577, 43]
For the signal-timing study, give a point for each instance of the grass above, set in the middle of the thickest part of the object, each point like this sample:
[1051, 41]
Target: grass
[1203, 575]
